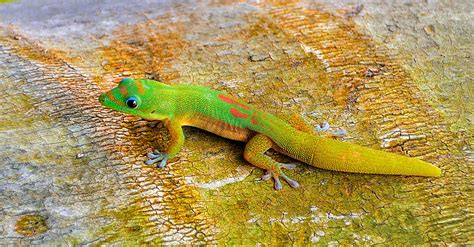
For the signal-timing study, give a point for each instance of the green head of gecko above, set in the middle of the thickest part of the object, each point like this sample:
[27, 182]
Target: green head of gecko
[138, 98]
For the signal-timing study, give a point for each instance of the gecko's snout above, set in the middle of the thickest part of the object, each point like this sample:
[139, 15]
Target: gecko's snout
[102, 98]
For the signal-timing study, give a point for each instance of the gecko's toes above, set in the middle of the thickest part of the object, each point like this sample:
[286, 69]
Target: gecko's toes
[340, 132]
[151, 161]
[322, 127]
[289, 166]
[277, 183]
[155, 156]
[163, 163]
[290, 181]
[266, 176]
[276, 179]
[152, 155]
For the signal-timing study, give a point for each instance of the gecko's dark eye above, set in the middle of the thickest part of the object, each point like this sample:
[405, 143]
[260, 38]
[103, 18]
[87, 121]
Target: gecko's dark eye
[132, 102]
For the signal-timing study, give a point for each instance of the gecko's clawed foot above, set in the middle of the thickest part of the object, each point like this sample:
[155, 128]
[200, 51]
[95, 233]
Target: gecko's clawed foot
[289, 166]
[324, 127]
[276, 177]
[156, 156]
[339, 133]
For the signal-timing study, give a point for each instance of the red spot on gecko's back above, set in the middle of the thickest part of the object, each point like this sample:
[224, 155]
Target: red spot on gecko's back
[229, 100]
[238, 114]
[254, 119]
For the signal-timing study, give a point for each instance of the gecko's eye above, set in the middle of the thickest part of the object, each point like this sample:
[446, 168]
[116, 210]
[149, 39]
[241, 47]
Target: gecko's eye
[132, 102]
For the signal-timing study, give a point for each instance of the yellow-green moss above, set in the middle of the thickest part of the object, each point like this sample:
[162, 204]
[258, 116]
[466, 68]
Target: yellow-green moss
[7, 1]
[31, 225]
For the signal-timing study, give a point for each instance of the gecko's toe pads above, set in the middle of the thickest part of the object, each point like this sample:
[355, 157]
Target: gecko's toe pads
[277, 184]
[156, 156]
[289, 166]
[340, 132]
[323, 127]
[290, 181]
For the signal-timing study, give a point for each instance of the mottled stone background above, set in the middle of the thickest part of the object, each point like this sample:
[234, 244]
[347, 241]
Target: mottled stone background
[395, 76]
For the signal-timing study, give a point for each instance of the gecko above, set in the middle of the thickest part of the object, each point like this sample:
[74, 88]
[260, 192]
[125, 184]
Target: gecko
[220, 113]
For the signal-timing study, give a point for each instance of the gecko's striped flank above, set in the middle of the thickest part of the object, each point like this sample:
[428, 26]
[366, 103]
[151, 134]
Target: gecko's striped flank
[231, 101]
[237, 113]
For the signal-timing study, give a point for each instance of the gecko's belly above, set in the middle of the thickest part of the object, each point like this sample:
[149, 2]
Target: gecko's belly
[220, 128]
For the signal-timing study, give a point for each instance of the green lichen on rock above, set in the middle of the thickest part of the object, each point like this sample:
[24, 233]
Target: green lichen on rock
[7, 1]
[127, 226]
[320, 212]
[31, 225]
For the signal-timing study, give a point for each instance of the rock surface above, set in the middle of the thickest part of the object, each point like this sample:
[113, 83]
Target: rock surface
[395, 76]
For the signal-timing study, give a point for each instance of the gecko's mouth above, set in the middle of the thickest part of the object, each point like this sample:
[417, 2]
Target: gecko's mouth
[105, 101]
[102, 98]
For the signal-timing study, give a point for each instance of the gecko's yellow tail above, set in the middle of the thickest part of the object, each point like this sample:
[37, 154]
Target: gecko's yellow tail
[342, 156]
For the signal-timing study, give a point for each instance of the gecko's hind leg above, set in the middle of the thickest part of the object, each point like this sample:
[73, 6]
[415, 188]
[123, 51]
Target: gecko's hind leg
[298, 122]
[255, 154]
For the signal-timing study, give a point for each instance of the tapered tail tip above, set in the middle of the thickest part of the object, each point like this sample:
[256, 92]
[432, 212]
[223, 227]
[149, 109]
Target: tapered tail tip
[432, 171]
[437, 172]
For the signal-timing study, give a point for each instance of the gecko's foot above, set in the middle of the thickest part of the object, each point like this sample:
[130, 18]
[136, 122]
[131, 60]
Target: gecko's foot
[276, 178]
[156, 156]
[324, 127]
[339, 133]
[288, 166]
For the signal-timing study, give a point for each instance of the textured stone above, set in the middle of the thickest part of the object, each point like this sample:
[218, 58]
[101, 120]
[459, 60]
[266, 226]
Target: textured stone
[393, 80]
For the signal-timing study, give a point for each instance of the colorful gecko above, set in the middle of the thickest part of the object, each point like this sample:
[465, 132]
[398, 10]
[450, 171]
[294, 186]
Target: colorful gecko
[219, 113]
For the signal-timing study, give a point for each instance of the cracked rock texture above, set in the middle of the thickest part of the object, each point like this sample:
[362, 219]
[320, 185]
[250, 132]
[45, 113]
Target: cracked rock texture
[395, 76]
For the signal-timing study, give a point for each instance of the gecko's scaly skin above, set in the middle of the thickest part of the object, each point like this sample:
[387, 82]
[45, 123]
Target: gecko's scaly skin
[219, 113]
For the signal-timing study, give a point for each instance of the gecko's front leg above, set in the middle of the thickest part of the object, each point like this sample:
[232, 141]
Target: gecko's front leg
[176, 143]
